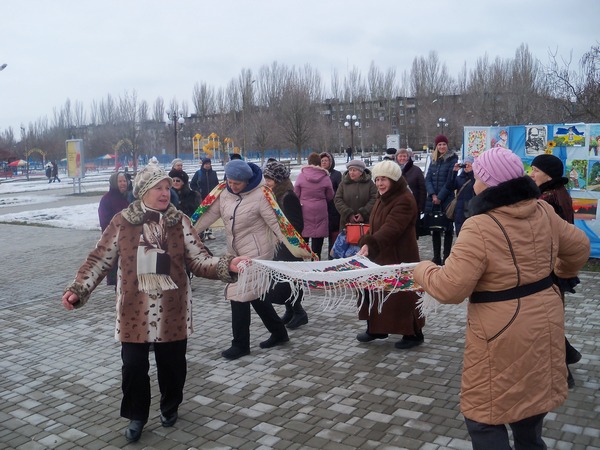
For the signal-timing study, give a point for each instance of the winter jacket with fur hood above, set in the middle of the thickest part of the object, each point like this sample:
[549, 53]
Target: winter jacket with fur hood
[514, 360]
[141, 317]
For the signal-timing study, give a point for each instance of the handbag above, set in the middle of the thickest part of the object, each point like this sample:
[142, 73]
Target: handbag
[436, 220]
[422, 228]
[452, 205]
[341, 248]
[354, 231]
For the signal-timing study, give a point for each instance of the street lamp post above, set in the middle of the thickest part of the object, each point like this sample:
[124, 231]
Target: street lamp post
[351, 123]
[442, 123]
[176, 121]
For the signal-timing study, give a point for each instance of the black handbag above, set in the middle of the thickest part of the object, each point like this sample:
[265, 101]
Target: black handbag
[436, 220]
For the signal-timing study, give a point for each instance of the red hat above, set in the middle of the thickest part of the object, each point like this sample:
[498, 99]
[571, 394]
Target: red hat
[440, 138]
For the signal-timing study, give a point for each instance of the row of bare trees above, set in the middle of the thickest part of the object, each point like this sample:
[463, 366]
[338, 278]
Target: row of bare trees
[281, 107]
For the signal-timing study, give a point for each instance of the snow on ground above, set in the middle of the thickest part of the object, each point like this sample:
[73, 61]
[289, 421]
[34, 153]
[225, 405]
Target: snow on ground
[17, 192]
[78, 217]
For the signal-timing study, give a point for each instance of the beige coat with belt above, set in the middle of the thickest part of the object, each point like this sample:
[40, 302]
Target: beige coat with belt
[514, 359]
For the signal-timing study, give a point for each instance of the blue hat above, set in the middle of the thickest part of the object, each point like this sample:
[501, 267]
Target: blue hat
[206, 160]
[238, 170]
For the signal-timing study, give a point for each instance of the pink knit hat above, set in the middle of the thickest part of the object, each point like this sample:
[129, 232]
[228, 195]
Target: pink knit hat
[497, 165]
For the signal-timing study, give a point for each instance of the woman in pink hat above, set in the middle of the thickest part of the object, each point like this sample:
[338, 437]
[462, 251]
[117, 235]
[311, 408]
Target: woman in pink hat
[514, 369]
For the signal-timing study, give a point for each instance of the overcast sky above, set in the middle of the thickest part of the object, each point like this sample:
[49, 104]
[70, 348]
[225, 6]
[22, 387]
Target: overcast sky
[83, 50]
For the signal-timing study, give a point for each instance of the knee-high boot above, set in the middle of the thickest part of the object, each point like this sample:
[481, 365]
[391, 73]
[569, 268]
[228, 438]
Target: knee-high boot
[436, 238]
[447, 243]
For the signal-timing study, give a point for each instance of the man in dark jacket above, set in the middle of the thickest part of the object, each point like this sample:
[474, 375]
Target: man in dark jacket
[205, 180]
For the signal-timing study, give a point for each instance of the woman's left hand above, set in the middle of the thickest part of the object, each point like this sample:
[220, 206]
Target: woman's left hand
[233, 265]
[364, 251]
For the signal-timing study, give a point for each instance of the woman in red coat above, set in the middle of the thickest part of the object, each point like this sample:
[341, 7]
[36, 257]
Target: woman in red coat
[392, 240]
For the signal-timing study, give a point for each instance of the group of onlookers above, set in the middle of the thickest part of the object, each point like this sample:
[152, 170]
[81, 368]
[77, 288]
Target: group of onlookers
[513, 259]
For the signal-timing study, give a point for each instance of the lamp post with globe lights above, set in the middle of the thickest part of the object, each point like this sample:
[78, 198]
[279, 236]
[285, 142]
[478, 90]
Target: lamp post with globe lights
[442, 123]
[351, 123]
[175, 121]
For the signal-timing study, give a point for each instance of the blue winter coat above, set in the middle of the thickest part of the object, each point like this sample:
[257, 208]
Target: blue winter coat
[436, 181]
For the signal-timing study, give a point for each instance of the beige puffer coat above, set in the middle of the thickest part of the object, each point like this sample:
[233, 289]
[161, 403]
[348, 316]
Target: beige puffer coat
[514, 360]
[251, 228]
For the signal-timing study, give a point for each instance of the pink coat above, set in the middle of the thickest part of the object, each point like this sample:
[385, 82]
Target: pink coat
[313, 188]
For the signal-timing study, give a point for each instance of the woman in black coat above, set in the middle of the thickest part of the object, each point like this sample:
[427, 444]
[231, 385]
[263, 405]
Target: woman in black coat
[462, 183]
[439, 196]
[188, 200]
[277, 177]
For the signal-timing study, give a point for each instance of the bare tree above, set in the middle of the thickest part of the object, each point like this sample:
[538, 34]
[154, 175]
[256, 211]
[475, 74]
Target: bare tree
[296, 114]
[580, 91]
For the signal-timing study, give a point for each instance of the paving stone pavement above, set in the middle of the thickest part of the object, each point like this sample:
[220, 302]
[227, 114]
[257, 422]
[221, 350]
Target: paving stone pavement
[60, 370]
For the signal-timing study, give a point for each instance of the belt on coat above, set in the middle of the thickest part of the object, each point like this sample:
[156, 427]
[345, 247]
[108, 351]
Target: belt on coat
[512, 293]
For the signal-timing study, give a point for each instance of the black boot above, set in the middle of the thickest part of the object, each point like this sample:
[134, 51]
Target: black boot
[410, 341]
[573, 356]
[447, 243]
[299, 318]
[436, 239]
[289, 313]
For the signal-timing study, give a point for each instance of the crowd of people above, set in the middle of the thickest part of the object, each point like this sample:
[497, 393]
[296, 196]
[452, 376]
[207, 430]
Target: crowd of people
[516, 254]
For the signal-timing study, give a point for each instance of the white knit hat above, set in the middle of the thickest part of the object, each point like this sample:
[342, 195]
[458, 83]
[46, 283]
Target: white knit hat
[387, 169]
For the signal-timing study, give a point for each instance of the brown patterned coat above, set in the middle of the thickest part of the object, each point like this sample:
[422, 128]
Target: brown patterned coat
[162, 317]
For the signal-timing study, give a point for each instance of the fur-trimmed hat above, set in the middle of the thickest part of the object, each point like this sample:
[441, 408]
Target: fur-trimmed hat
[387, 169]
[179, 174]
[149, 177]
[357, 164]
[440, 138]
[497, 165]
[238, 170]
[276, 171]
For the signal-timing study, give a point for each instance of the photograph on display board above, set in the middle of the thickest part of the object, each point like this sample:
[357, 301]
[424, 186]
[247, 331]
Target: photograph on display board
[569, 135]
[536, 137]
[577, 173]
[594, 176]
[499, 137]
[585, 208]
[594, 141]
[476, 141]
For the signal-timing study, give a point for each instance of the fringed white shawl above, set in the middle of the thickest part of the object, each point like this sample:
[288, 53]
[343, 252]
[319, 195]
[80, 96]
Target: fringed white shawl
[341, 280]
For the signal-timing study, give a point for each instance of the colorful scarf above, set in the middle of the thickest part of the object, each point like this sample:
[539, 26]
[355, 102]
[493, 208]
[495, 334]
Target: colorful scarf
[342, 280]
[293, 241]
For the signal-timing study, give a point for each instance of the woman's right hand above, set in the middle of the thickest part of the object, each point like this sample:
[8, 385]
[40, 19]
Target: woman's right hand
[364, 250]
[69, 299]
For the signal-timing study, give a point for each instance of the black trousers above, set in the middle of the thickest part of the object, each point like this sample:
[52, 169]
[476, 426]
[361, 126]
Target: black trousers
[171, 368]
[240, 321]
[316, 244]
[527, 434]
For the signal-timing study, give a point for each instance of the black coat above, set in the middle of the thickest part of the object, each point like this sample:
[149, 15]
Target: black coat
[436, 181]
[204, 181]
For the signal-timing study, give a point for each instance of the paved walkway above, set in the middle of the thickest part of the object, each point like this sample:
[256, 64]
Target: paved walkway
[60, 371]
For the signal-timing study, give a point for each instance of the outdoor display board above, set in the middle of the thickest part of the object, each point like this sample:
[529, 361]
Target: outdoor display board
[577, 145]
[75, 158]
